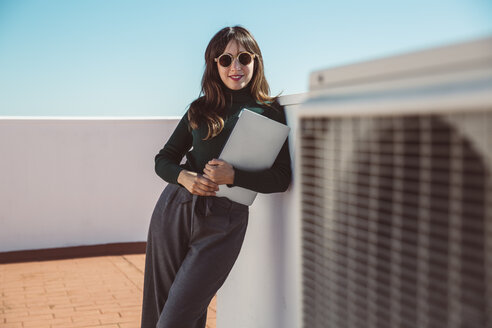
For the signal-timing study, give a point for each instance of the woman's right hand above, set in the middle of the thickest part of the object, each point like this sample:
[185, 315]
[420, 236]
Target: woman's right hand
[197, 184]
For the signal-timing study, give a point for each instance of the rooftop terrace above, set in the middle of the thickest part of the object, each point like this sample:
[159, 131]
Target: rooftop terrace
[101, 291]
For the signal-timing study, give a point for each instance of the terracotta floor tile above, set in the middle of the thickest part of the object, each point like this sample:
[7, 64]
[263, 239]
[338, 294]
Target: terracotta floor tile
[12, 325]
[110, 308]
[85, 321]
[108, 318]
[14, 312]
[14, 318]
[36, 324]
[128, 324]
[75, 293]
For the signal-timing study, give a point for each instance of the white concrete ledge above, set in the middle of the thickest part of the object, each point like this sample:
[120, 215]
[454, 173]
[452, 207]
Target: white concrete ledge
[78, 182]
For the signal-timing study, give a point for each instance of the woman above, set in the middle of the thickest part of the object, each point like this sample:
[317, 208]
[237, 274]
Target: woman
[194, 237]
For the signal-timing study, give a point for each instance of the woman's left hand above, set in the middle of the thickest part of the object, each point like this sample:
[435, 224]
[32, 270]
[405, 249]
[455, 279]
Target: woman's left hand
[219, 171]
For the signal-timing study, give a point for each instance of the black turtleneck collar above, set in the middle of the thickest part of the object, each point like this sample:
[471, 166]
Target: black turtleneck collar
[240, 96]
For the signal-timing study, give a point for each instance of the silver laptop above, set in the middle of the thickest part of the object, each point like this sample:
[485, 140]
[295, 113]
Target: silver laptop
[253, 145]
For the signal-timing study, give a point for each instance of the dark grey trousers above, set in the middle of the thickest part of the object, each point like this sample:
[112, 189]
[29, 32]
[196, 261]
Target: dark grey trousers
[192, 245]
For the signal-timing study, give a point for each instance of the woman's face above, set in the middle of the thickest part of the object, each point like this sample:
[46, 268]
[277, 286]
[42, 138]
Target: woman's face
[236, 76]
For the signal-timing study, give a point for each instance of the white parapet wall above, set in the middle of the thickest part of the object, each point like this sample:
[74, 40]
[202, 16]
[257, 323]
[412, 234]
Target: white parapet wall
[78, 181]
[263, 289]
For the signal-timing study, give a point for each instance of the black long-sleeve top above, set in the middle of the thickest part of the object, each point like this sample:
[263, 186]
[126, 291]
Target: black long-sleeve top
[167, 161]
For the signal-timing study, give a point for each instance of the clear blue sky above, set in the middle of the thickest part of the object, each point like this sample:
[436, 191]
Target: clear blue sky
[145, 58]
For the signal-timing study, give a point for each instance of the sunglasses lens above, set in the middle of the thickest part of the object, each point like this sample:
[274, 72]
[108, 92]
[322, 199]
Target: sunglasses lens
[244, 59]
[225, 60]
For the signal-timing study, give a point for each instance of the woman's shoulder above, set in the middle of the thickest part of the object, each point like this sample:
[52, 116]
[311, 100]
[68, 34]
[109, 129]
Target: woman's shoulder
[272, 109]
[194, 107]
[198, 101]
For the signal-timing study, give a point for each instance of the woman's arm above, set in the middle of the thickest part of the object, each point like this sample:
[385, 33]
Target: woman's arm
[168, 159]
[197, 184]
[275, 179]
[219, 171]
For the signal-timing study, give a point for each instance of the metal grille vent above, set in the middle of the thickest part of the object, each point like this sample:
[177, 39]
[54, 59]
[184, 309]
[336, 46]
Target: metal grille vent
[397, 221]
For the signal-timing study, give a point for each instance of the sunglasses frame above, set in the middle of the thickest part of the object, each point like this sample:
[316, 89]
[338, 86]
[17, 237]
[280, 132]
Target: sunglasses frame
[217, 60]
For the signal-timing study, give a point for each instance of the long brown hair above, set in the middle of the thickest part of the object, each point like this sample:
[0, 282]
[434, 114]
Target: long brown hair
[210, 106]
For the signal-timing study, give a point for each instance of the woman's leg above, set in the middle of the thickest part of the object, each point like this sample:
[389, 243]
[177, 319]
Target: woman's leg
[167, 245]
[215, 243]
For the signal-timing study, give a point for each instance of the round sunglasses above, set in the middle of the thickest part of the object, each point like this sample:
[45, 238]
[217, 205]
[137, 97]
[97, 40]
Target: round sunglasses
[244, 58]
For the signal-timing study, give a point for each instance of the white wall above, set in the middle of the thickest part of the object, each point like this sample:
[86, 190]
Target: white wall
[263, 289]
[71, 182]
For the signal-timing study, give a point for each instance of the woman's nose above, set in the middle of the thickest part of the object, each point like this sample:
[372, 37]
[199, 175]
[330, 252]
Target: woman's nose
[235, 64]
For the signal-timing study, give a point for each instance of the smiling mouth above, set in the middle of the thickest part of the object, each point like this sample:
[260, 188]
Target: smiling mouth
[236, 77]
